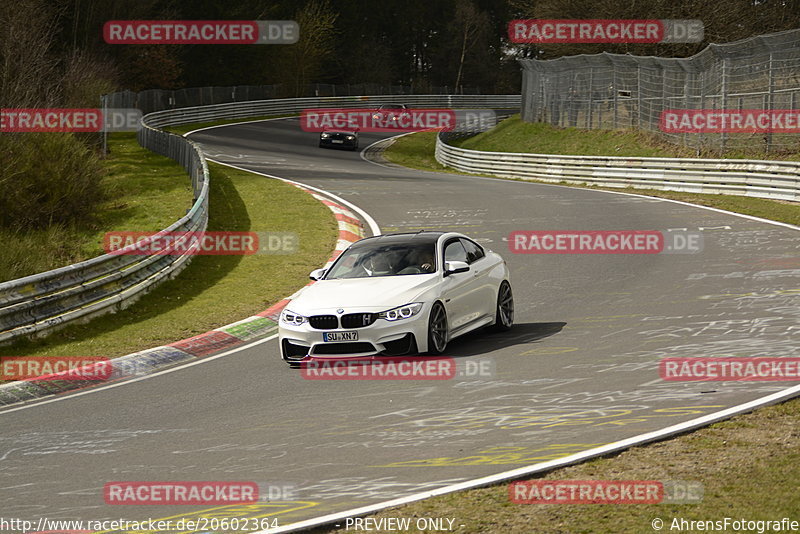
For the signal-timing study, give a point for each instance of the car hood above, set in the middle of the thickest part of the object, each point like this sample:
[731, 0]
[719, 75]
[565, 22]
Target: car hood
[370, 294]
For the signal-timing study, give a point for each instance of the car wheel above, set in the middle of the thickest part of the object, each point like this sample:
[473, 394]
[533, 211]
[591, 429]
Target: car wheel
[437, 329]
[504, 317]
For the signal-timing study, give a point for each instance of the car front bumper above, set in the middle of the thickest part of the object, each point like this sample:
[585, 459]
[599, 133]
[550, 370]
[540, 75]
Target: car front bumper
[329, 143]
[381, 338]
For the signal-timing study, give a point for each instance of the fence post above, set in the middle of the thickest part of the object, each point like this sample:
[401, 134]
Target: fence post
[589, 110]
[701, 136]
[104, 103]
[638, 96]
[686, 89]
[656, 121]
[615, 92]
[724, 95]
[771, 98]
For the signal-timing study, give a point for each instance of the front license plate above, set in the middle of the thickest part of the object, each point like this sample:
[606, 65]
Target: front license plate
[340, 336]
[337, 141]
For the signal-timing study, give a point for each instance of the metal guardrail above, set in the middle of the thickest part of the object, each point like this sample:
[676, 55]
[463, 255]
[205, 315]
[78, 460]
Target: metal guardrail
[754, 178]
[151, 100]
[43, 302]
[285, 106]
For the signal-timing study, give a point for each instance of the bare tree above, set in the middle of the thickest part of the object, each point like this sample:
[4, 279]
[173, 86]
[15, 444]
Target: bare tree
[27, 69]
[470, 23]
[303, 61]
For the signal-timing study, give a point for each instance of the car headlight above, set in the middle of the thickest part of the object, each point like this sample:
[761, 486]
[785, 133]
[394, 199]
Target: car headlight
[325, 135]
[291, 318]
[401, 312]
[351, 137]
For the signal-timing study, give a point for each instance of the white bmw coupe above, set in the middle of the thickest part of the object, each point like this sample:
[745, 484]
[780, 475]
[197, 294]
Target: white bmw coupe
[397, 294]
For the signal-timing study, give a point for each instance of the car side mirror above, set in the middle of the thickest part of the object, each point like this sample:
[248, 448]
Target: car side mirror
[455, 267]
[317, 274]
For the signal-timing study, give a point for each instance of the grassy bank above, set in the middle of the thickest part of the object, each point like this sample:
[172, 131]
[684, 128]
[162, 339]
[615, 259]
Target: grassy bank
[514, 135]
[144, 191]
[417, 151]
[213, 290]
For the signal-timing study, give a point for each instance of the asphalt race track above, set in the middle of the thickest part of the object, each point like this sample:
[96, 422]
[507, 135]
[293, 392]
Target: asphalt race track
[579, 369]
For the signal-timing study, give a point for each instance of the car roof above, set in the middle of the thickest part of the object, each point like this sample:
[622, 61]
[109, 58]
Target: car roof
[423, 236]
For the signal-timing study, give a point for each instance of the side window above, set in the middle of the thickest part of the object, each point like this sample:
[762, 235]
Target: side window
[454, 251]
[474, 250]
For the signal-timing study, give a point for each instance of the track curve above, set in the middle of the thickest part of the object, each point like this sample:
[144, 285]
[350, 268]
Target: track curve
[579, 369]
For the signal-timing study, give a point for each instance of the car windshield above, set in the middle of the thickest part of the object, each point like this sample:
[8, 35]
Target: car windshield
[384, 259]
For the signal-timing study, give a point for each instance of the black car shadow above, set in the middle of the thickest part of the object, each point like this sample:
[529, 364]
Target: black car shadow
[485, 340]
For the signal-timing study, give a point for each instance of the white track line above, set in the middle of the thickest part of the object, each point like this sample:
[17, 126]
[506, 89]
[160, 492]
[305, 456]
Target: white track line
[617, 446]
[373, 226]
[187, 134]
[206, 359]
[400, 167]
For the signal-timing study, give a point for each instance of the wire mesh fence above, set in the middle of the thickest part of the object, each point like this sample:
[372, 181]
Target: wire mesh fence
[160, 99]
[614, 91]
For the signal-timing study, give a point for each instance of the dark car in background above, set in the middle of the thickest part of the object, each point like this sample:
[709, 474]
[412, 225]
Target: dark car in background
[390, 112]
[338, 139]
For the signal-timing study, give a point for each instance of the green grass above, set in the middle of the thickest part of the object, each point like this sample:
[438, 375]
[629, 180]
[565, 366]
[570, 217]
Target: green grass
[514, 135]
[417, 151]
[748, 467]
[213, 290]
[145, 192]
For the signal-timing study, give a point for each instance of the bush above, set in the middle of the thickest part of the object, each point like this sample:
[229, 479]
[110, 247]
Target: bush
[47, 179]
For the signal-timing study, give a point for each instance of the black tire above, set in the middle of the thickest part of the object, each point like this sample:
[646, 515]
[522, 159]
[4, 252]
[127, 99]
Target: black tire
[504, 316]
[437, 329]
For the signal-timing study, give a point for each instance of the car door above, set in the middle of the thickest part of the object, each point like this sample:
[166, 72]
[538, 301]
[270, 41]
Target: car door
[484, 300]
[459, 289]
